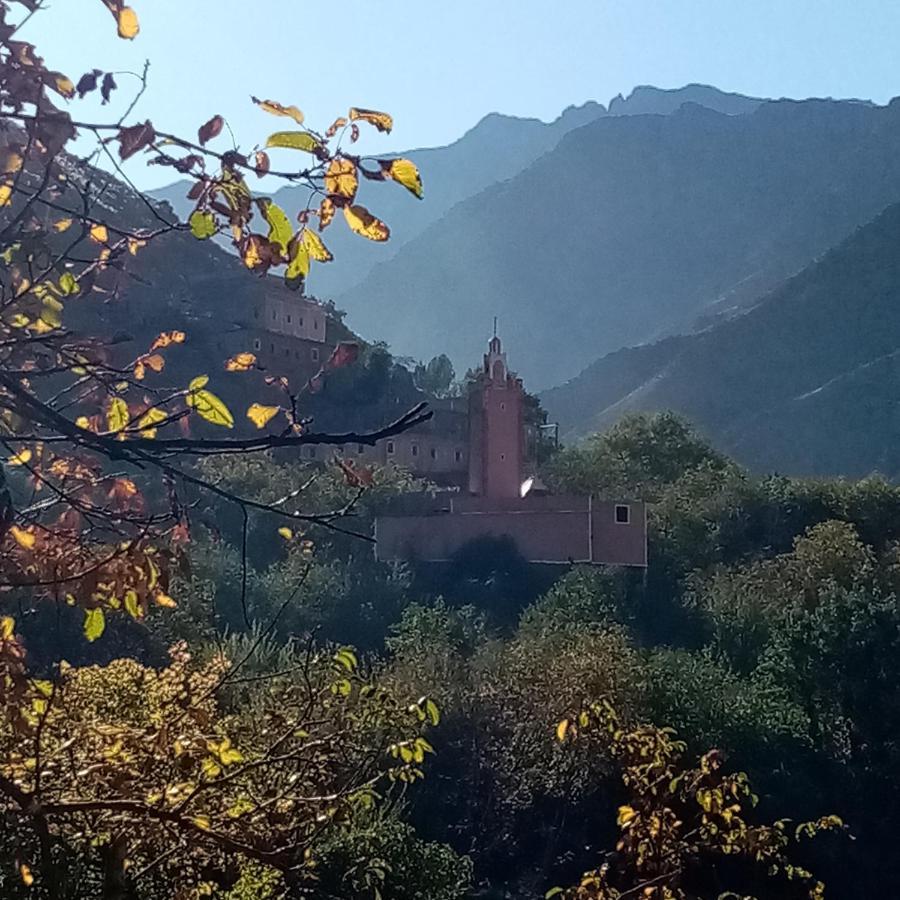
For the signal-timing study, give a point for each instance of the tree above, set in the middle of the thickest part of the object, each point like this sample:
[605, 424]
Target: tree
[436, 378]
[135, 772]
[684, 827]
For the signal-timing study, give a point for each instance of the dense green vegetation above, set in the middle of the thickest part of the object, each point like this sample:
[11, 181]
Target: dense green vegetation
[767, 627]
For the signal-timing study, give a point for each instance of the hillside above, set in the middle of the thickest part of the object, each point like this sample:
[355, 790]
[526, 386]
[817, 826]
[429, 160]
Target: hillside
[805, 382]
[632, 227]
[494, 150]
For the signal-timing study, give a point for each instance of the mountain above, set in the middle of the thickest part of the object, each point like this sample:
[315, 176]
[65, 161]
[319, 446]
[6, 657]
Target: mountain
[632, 227]
[495, 149]
[806, 382]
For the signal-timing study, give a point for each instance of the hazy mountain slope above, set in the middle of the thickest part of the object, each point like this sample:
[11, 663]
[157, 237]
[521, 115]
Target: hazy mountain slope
[632, 226]
[495, 149]
[806, 382]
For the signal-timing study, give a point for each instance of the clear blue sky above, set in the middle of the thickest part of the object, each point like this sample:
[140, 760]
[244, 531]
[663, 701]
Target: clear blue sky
[439, 67]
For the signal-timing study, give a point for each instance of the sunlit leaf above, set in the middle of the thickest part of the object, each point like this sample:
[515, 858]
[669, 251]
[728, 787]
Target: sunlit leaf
[67, 283]
[20, 458]
[148, 422]
[167, 338]
[7, 627]
[341, 178]
[285, 532]
[25, 874]
[280, 230]
[133, 605]
[62, 225]
[298, 264]
[240, 362]
[128, 23]
[381, 120]
[116, 414]
[404, 172]
[314, 246]
[198, 382]
[99, 234]
[294, 140]
[203, 224]
[164, 600]
[208, 406]
[5, 194]
[364, 223]
[272, 106]
[22, 537]
[94, 623]
[259, 415]
[10, 160]
[562, 729]
[326, 213]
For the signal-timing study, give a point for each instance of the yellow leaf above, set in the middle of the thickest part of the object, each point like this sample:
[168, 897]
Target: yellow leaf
[83, 422]
[208, 406]
[117, 414]
[286, 532]
[94, 623]
[63, 85]
[167, 338]
[7, 627]
[405, 172]
[294, 140]
[341, 178]
[314, 246]
[240, 362]
[626, 814]
[99, 234]
[364, 223]
[62, 225]
[128, 23]
[272, 106]
[165, 601]
[5, 194]
[198, 382]
[23, 538]
[25, 873]
[134, 245]
[22, 457]
[381, 120]
[259, 415]
[562, 730]
[201, 822]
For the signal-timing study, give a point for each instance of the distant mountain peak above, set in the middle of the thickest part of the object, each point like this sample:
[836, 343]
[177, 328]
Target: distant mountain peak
[647, 99]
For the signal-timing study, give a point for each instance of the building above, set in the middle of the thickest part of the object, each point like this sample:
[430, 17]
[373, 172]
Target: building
[499, 498]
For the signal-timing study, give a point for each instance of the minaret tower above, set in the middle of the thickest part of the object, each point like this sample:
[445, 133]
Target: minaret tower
[496, 428]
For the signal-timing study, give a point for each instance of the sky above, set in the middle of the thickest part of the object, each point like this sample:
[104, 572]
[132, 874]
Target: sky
[439, 67]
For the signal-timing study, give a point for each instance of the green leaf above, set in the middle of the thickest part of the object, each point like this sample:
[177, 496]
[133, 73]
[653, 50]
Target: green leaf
[203, 224]
[208, 406]
[132, 604]
[294, 140]
[280, 231]
[200, 381]
[94, 623]
[434, 714]
[68, 284]
[298, 267]
[117, 414]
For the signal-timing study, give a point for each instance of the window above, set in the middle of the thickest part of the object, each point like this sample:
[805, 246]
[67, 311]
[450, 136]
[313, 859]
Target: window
[257, 344]
[289, 318]
[255, 313]
[301, 321]
[274, 314]
[360, 449]
[433, 453]
[458, 455]
[316, 324]
[314, 354]
[414, 449]
[502, 407]
[502, 457]
[623, 514]
[271, 348]
[296, 354]
[287, 351]
[311, 452]
[390, 446]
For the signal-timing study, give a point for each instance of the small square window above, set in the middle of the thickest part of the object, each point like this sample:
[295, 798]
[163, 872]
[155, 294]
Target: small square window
[623, 514]
[257, 344]
[458, 455]
[314, 354]
[502, 457]
[274, 314]
[316, 324]
[390, 446]
[415, 449]
[301, 321]
[289, 318]
[360, 449]
[433, 453]
[271, 348]
[502, 407]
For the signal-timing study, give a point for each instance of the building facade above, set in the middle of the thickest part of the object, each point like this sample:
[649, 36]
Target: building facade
[500, 500]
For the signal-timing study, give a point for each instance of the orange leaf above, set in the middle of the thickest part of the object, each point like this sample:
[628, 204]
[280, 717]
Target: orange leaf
[364, 223]
[240, 362]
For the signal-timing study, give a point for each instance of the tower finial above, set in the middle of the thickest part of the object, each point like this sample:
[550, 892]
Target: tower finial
[495, 326]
